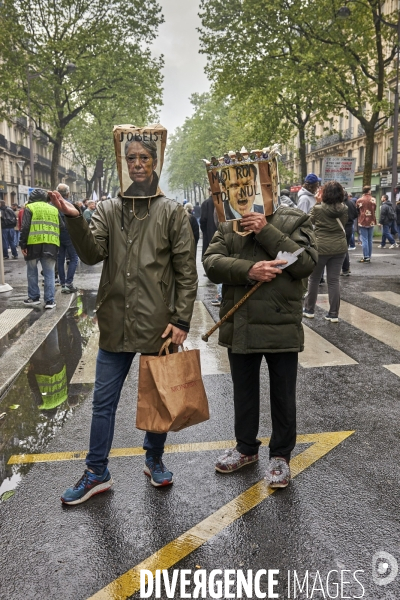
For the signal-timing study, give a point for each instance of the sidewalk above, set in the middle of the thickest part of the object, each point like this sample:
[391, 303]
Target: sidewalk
[23, 329]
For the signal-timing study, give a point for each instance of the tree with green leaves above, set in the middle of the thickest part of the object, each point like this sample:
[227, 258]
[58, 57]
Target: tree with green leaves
[261, 70]
[217, 125]
[73, 55]
[304, 59]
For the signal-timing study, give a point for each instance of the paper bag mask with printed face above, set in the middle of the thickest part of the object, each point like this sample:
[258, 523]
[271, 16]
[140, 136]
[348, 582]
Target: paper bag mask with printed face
[140, 155]
[242, 183]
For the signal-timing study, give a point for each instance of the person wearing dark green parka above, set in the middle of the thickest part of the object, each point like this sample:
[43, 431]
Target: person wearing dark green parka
[267, 325]
[329, 218]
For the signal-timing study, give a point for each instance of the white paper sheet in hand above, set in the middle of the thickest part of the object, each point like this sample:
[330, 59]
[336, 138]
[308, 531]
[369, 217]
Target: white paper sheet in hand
[291, 257]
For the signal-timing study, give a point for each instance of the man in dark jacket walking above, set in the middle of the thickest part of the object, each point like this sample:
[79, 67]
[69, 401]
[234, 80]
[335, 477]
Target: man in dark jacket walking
[66, 250]
[39, 241]
[386, 219]
[8, 222]
[207, 221]
[268, 325]
[147, 292]
[349, 229]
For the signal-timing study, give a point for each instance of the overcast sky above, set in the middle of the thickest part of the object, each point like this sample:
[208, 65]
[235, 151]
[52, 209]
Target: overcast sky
[178, 40]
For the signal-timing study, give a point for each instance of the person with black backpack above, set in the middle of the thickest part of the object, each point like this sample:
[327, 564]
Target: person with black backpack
[352, 216]
[386, 219]
[8, 222]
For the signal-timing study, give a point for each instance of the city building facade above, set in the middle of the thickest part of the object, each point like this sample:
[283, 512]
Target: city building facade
[15, 176]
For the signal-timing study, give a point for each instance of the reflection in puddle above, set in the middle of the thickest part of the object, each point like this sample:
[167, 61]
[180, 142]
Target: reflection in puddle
[43, 394]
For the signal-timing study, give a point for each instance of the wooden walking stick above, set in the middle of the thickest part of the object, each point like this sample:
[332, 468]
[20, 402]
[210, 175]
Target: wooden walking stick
[230, 312]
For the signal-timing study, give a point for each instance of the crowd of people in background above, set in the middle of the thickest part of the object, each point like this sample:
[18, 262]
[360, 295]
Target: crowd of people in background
[51, 245]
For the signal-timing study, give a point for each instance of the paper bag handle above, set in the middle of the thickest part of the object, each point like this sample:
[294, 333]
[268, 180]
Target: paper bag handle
[166, 345]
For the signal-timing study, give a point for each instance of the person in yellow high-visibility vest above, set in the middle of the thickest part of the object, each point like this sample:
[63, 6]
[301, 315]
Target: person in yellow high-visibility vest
[39, 240]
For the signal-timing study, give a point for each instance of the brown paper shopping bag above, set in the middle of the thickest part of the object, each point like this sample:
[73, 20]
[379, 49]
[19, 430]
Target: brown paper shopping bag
[171, 394]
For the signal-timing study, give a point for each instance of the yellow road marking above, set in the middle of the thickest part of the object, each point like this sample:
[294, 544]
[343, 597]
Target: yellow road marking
[20, 459]
[129, 583]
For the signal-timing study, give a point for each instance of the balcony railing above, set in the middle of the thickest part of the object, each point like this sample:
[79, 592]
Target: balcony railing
[360, 130]
[62, 170]
[42, 160]
[3, 142]
[21, 122]
[374, 166]
[360, 168]
[24, 151]
[333, 138]
[72, 174]
[13, 147]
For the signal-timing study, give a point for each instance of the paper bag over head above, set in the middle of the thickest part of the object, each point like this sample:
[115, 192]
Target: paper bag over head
[139, 153]
[241, 183]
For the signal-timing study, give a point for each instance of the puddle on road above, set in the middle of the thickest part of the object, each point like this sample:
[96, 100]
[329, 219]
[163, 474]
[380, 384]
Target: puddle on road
[42, 398]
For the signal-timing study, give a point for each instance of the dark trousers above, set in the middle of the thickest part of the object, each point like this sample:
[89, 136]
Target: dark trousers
[67, 249]
[111, 371]
[346, 262]
[245, 371]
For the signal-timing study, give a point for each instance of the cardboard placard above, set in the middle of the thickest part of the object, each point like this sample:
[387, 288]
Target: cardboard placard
[242, 187]
[139, 153]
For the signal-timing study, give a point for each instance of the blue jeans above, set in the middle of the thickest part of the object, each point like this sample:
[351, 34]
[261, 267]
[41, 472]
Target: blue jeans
[48, 267]
[67, 246]
[367, 234]
[111, 371]
[8, 242]
[386, 234]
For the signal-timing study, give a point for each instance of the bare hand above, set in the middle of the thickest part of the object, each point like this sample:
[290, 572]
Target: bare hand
[253, 222]
[266, 270]
[178, 335]
[25, 251]
[63, 205]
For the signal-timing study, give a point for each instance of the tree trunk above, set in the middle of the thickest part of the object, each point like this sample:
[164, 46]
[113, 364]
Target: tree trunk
[302, 153]
[369, 152]
[55, 160]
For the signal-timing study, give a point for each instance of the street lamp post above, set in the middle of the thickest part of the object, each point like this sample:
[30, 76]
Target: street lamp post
[29, 77]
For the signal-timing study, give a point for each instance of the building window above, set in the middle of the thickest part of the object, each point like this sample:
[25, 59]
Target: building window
[350, 154]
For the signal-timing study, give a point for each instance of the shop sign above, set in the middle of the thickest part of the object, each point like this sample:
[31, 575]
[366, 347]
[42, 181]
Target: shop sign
[386, 180]
[3, 187]
[23, 189]
[295, 188]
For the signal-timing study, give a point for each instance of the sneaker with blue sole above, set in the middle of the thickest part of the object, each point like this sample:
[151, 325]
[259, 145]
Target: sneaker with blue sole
[157, 471]
[89, 485]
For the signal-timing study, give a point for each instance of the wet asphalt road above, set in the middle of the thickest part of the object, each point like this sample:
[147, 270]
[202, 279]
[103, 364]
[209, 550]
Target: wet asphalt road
[335, 515]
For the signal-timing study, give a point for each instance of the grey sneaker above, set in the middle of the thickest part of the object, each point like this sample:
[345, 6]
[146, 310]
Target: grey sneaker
[232, 460]
[278, 474]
